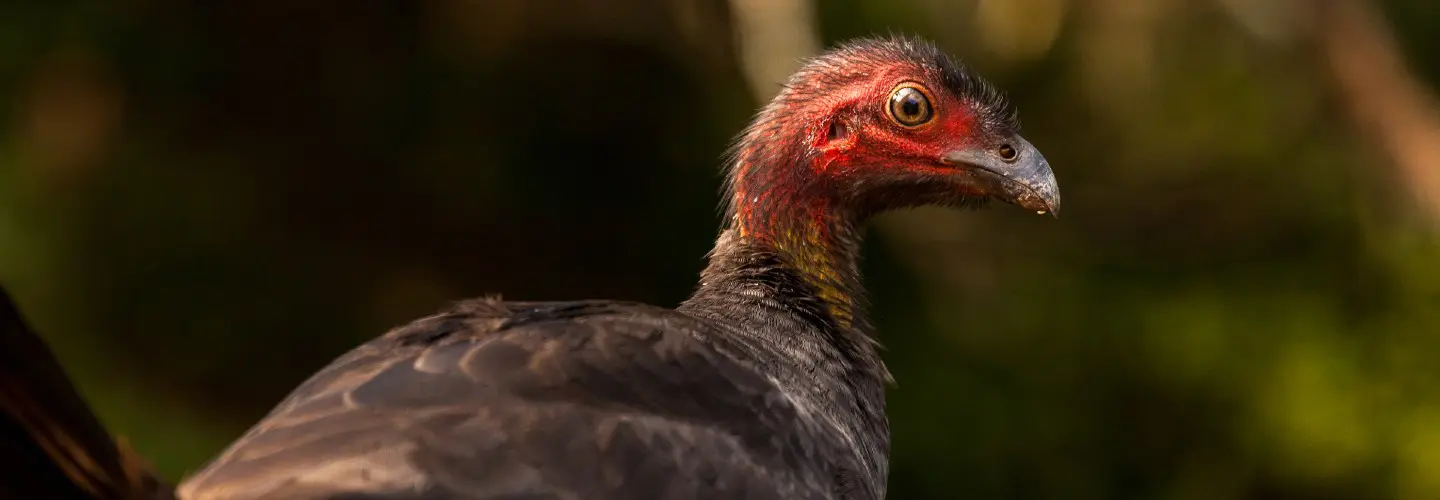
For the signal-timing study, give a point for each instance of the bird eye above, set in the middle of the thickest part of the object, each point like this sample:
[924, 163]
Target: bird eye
[1007, 152]
[909, 107]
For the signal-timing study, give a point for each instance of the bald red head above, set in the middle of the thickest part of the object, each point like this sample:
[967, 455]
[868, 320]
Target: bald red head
[878, 124]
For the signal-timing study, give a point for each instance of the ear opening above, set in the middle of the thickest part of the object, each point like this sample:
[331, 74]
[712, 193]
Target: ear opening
[837, 130]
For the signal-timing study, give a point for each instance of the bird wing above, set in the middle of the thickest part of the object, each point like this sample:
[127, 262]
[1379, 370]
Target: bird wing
[50, 440]
[577, 400]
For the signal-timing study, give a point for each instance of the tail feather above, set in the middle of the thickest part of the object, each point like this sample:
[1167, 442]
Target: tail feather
[52, 444]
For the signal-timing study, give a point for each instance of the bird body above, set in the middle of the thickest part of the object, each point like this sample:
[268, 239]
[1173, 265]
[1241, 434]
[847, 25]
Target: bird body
[765, 383]
[491, 399]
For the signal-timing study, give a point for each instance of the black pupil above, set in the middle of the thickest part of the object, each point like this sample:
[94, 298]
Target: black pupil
[910, 107]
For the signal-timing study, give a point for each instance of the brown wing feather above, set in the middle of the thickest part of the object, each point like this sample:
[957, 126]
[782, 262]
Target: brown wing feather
[593, 400]
[48, 431]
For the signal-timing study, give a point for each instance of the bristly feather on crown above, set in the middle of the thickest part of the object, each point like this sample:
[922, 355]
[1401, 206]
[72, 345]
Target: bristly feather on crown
[996, 110]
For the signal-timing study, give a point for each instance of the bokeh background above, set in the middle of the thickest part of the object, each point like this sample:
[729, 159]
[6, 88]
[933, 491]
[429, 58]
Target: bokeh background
[202, 203]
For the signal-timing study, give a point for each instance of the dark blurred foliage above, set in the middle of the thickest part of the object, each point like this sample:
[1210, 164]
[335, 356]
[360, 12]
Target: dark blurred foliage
[202, 203]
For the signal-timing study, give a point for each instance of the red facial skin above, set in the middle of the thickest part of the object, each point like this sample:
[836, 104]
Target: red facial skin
[792, 171]
[881, 142]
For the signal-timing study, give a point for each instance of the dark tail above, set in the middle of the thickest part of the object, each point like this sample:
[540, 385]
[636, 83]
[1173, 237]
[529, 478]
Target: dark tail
[51, 445]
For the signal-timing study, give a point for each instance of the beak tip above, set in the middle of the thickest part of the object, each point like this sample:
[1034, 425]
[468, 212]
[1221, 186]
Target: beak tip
[1044, 200]
[1047, 208]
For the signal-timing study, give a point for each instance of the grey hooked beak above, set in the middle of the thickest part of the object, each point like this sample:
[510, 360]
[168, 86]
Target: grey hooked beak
[1025, 180]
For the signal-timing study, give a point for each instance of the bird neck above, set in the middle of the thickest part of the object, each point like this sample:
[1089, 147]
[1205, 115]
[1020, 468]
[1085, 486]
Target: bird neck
[781, 208]
[785, 269]
[784, 282]
[786, 289]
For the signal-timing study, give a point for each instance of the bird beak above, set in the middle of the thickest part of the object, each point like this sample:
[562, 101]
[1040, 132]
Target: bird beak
[1025, 180]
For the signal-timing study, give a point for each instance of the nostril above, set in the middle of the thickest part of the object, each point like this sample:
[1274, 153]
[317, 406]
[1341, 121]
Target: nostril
[1007, 152]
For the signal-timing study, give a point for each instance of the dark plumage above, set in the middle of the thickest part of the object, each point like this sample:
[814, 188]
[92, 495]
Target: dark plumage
[494, 399]
[764, 384]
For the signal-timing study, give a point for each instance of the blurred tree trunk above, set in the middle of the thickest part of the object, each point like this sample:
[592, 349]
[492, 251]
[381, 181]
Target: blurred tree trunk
[1387, 101]
[774, 36]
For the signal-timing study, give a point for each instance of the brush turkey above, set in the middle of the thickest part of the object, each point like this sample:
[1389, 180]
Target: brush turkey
[763, 384]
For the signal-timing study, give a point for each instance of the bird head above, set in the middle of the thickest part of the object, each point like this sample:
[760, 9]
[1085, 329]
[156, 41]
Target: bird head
[880, 124]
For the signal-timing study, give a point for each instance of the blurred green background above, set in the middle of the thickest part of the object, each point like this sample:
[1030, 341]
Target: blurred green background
[203, 203]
